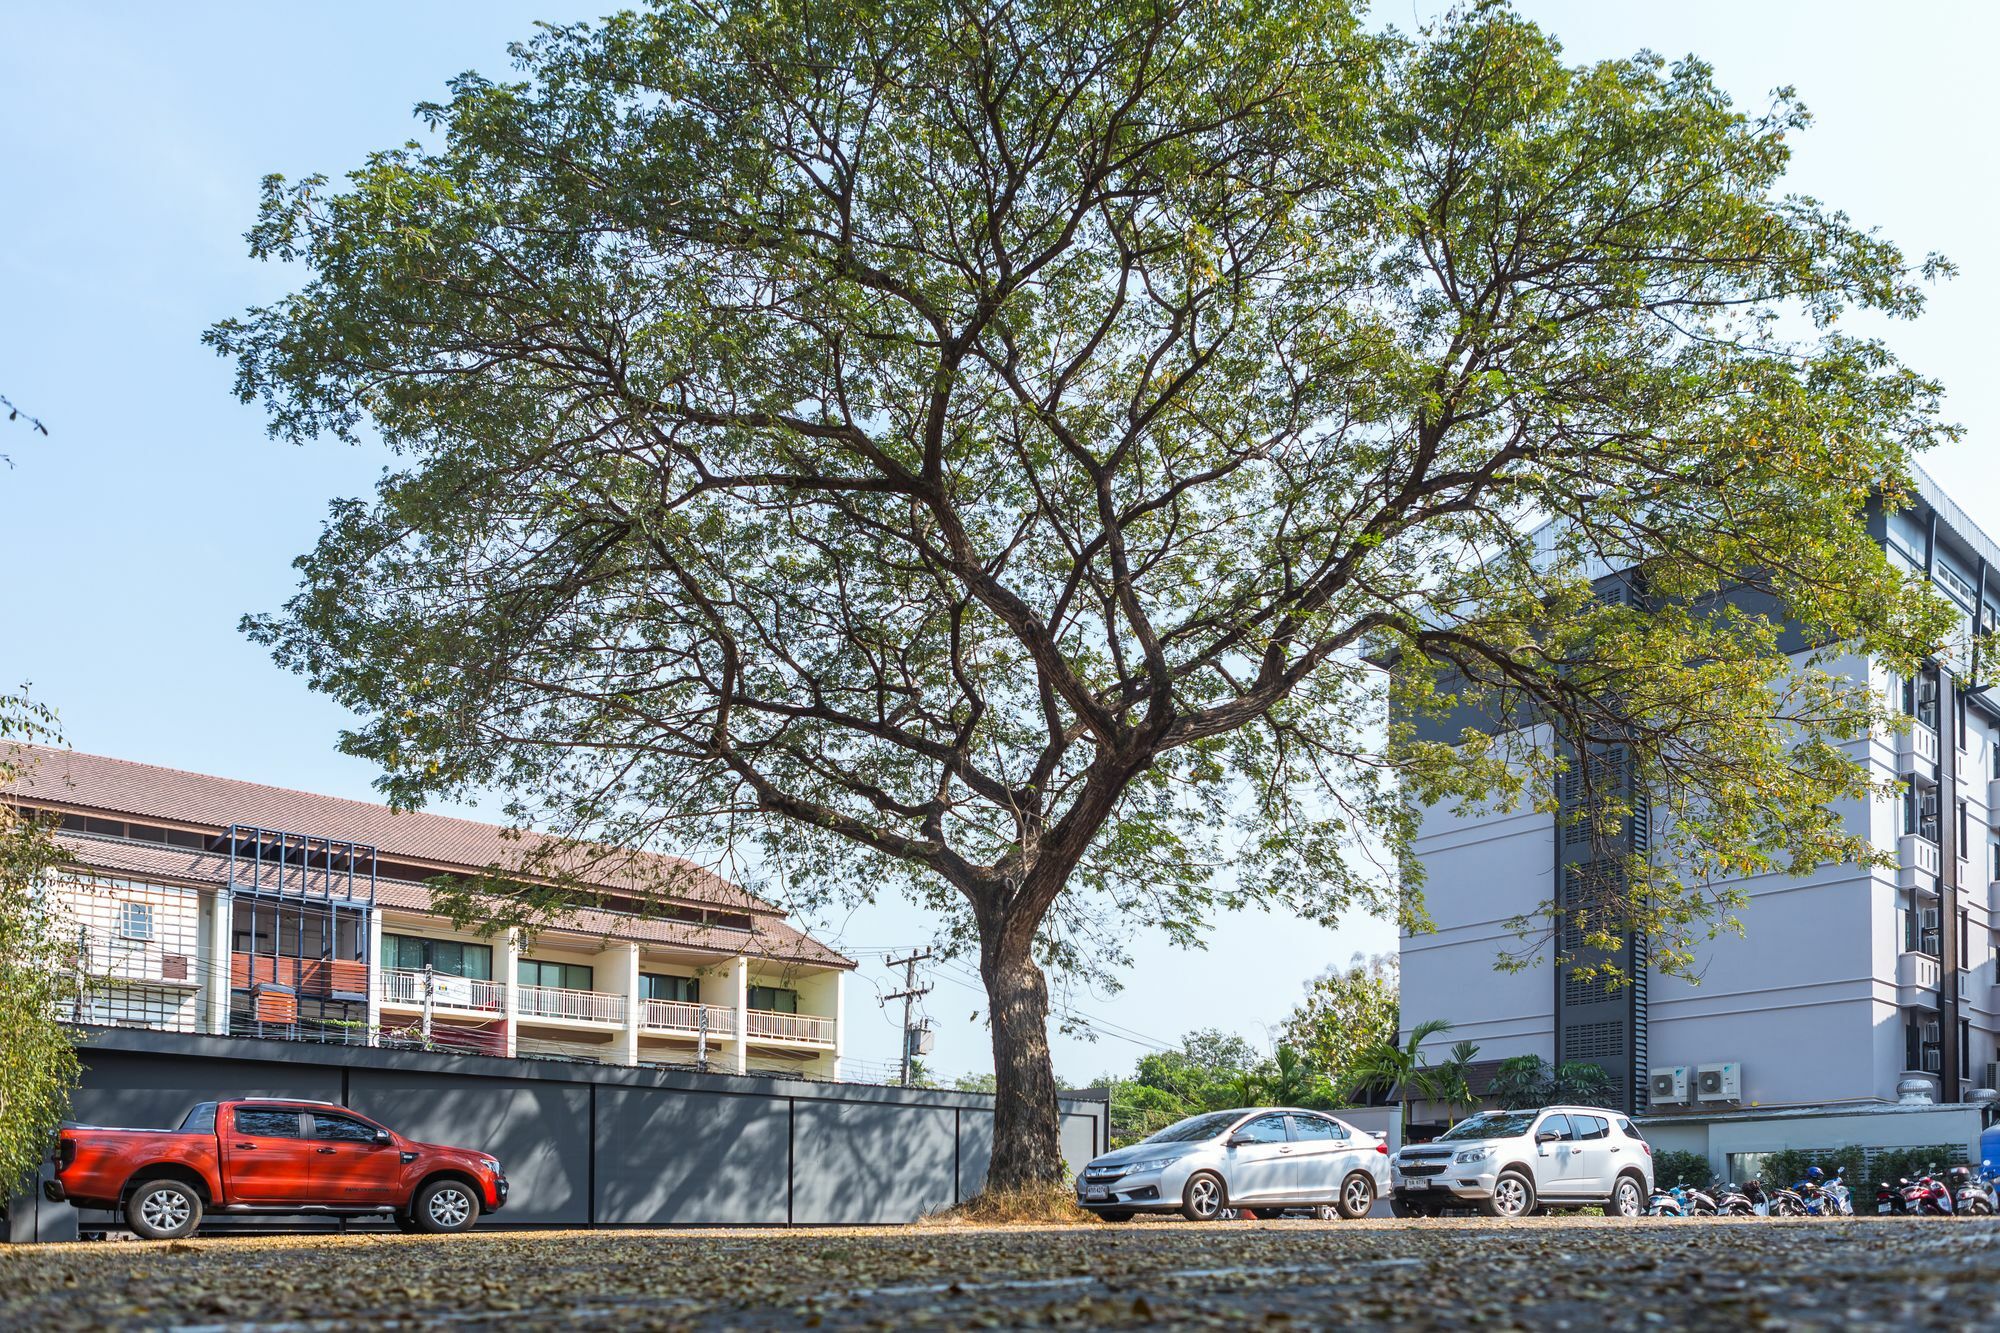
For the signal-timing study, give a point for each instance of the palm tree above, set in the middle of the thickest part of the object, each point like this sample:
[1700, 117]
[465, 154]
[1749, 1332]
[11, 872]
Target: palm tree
[1446, 1082]
[1383, 1066]
[1289, 1081]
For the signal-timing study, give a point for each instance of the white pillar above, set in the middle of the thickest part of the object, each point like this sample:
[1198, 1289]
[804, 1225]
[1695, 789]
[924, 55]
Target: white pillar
[375, 978]
[626, 960]
[739, 983]
[839, 1019]
[510, 989]
[221, 923]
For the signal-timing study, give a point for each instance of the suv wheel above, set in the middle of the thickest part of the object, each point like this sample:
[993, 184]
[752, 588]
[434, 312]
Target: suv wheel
[1513, 1196]
[164, 1209]
[446, 1205]
[1357, 1196]
[1204, 1199]
[1626, 1199]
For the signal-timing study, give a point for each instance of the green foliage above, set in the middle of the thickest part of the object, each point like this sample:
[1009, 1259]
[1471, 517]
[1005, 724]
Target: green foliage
[1789, 1166]
[991, 452]
[1682, 1167]
[1893, 1164]
[1406, 1073]
[1520, 1083]
[1212, 1071]
[38, 1065]
[1344, 1012]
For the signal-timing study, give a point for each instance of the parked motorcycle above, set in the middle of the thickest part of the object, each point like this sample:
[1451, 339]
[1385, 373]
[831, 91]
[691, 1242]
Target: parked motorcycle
[1827, 1198]
[1699, 1203]
[1667, 1203]
[1889, 1199]
[1927, 1195]
[1733, 1202]
[1971, 1194]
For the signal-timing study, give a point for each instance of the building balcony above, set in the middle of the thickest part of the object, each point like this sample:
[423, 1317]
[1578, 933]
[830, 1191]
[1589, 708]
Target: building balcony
[569, 1006]
[770, 1025]
[1917, 978]
[679, 1016]
[1918, 862]
[1917, 752]
[404, 987]
[1993, 802]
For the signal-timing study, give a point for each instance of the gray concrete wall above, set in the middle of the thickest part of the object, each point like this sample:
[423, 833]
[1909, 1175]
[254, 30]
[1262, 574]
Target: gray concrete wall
[591, 1145]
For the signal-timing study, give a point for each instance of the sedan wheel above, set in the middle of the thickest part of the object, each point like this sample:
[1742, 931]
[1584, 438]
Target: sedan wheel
[1204, 1200]
[1513, 1196]
[1357, 1196]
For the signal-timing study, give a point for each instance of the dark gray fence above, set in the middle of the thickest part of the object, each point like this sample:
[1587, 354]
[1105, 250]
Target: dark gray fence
[591, 1145]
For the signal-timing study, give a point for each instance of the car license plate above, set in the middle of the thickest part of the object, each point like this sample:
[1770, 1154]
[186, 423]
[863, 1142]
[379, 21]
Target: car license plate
[1096, 1194]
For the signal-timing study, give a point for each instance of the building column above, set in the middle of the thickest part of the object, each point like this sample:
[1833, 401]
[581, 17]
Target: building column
[510, 990]
[626, 960]
[839, 1020]
[374, 957]
[221, 923]
[739, 985]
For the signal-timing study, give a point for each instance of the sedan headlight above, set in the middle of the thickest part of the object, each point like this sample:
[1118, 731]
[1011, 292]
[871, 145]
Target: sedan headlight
[1474, 1155]
[1153, 1163]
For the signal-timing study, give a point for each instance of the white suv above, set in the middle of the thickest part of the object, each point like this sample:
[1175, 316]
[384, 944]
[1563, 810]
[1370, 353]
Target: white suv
[1514, 1163]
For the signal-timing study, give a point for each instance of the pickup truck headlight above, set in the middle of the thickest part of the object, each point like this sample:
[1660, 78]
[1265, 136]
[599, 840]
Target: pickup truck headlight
[1471, 1155]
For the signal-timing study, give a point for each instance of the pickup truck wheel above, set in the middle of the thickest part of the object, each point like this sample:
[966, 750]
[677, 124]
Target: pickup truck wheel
[163, 1209]
[446, 1205]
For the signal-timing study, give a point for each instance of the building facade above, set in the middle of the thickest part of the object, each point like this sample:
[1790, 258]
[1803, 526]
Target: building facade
[1848, 987]
[210, 906]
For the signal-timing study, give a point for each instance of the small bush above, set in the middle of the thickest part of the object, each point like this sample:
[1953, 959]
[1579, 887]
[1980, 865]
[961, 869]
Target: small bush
[1680, 1167]
[1789, 1167]
[1892, 1164]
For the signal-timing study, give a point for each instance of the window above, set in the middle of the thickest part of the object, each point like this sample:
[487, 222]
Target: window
[342, 1128]
[561, 976]
[200, 1119]
[1591, 1127]
[659, 986]
[1264, 1129]
[774, 998]
[1557, 1125]
[452, 958]
[1626, 1128]
[255, 1124]
[135, 921]
[1317, 1129]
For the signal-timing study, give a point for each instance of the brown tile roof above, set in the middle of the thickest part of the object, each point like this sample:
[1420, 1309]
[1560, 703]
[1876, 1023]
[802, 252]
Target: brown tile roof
[766, 937]
[441, 842]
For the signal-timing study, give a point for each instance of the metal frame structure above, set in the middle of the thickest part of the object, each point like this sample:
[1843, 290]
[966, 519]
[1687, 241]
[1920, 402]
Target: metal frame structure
[296, 875]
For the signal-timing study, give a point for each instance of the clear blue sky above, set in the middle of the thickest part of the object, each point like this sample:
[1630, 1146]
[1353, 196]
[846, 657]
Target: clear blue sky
[132, 138]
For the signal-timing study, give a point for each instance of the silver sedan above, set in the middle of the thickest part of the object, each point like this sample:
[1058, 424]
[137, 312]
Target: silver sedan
[1266, 1158]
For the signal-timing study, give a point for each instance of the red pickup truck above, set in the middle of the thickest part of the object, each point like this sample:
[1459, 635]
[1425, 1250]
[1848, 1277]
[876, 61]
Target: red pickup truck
[272, 1156]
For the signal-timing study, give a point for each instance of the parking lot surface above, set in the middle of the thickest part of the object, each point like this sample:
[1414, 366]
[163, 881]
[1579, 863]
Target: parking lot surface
[1548, 1273]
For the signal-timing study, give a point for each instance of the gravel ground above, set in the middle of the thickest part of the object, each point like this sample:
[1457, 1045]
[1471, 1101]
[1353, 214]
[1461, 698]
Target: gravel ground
[1547, 1273]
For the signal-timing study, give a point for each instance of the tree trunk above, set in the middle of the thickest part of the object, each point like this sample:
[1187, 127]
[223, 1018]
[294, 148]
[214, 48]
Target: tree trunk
[1027, 1142]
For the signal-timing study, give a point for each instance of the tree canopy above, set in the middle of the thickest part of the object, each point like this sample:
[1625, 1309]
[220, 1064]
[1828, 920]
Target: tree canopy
[993, 450]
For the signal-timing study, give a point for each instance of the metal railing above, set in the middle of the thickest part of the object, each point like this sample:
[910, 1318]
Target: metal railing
[585, 1006]
[788, 1027]
[401, 985]
[685, 1016]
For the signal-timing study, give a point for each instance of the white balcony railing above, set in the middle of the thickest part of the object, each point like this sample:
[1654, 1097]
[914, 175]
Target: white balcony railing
[1993, 803]
[788, 1027]
[1917, 971]
[1917, 750]
[1918, 862]
[681, 1016]
[406, 986]
[583, 1006]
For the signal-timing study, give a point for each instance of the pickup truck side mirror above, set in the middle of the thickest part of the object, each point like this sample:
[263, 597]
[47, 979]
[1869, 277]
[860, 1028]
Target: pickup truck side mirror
[1547, 1136]
[382, 1138]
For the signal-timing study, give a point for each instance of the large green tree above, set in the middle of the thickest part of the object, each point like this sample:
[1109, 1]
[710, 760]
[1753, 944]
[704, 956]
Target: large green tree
[38, 1064]
[987, 450]
[1346, 1011]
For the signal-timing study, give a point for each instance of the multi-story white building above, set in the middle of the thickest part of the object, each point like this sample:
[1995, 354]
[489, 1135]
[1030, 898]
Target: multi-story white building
[206, 905]
[1847, 984]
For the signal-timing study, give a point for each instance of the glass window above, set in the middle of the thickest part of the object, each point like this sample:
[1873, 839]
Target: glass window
[1264, 1129]
[267, 1124]
[1591, 1126]
[200, 1119]
[453, 958]
[1629, 1130]
[344, 1128]
[135, 921]
[561, 976]
[1196, 1128]
[1491, 1125]
[1557, 1125]
[1318, 1129]
[660, 986]
[774, 998]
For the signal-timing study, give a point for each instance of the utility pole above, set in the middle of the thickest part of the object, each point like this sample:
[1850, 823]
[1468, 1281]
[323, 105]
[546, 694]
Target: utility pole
[910, 993]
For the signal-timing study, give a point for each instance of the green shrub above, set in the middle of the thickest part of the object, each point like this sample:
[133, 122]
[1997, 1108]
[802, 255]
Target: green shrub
[1893, 1164]
[1789, 1167]
[1681, 1168]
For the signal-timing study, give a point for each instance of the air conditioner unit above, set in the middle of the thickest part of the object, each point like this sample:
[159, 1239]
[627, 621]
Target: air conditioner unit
[1993, 1075]
[1719, 1083]
[1933, 1033]
[1933, 1060]
[1931, 920]
[1668, 1087]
